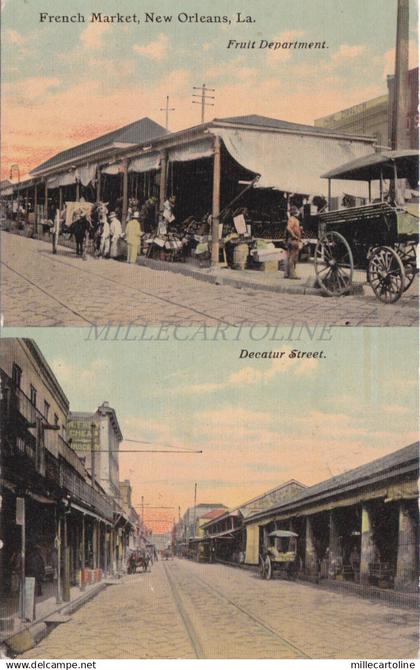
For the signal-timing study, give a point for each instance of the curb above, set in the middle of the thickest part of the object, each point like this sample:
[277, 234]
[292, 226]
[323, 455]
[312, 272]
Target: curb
[225, 281]
[30, 636]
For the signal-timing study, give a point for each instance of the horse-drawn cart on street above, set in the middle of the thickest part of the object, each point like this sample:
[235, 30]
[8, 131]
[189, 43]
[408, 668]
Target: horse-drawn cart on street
[279, 554]
[380, 237]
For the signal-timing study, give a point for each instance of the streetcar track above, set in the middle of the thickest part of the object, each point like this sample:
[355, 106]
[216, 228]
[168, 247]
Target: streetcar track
[112, 281]
[188, 624]
[244, 611]
[52, 297]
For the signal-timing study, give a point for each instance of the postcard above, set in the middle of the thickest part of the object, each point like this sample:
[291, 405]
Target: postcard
[209, 229]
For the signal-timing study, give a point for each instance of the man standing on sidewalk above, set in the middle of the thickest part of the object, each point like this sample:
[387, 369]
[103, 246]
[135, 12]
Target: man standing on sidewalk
[294, 242]
[133, 236]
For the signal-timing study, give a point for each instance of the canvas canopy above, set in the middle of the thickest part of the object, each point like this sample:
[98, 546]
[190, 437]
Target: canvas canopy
[282, 533]
[114, 168]
[292, 162]
[191, 152]
[86, 173]
[144, 163]
[64, 179]
[379, 164]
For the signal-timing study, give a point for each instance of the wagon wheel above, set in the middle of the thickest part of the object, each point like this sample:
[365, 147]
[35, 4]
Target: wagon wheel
[262, 567]
[408, 256]
[334, 263]
[386, 274]
[268, 568]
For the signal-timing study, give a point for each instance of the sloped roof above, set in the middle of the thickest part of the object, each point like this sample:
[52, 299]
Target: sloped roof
[394, 464]
[138, 132]
[214, 513]
[268, 122]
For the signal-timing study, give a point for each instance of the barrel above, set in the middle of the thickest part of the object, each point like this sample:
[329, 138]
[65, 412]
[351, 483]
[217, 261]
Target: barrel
[240, 255]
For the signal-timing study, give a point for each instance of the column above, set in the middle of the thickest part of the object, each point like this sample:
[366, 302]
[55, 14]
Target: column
[66, 557]
[216, 203]
[98, 184]
[163, 175]
[335, 556]
[77, 191]
[82, 555]
[406, 576]
[311, 562]
[35, 209]
[367, 547]
[125, 194]
[60, 198]
[46, 200]
[58, 597]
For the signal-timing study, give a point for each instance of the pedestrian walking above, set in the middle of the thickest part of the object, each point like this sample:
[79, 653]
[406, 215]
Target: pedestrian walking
[294, 242]
[133, 236]
[115, 233]
[79, 230]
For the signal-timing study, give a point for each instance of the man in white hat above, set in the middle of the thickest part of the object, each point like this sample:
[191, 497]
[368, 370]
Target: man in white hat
[116, 232]
[133, 235]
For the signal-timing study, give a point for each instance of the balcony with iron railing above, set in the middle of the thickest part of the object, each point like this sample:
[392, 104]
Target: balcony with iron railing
[54, 459]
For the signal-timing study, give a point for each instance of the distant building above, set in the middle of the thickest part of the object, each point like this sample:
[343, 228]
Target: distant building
[105, 439]
[373, 117]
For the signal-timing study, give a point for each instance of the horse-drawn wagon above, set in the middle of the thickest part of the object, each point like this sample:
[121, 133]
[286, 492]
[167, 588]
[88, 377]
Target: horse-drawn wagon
[278, 554]
[380, 237]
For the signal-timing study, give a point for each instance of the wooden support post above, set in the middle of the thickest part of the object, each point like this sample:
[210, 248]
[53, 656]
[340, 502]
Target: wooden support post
[98, 184]
[405, 578]
[58, 597]
[125, 194]
[46, 200]
[163, 176]
[381, 187]
[60, 198]
[329, 195]
[370, 191]
[82, 556]
[77, 191]
[66, 557]
[35, 209]
[216, 202]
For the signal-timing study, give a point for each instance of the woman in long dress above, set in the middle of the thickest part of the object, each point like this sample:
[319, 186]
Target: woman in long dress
[116, 232]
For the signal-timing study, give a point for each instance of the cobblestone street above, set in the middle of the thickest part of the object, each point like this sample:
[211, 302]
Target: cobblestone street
[188, 610]
[40, 289]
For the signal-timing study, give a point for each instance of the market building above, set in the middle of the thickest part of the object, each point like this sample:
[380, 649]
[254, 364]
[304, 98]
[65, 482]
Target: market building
[359, 527]
[250, 165]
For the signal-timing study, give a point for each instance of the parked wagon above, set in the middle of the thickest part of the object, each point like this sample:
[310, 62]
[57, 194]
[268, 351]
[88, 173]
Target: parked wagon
[278, 555]
[381, 237]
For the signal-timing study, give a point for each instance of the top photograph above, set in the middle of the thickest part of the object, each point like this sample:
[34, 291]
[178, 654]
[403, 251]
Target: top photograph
[194, 164]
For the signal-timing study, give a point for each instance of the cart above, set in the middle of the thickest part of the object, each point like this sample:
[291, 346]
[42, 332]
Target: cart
[380, 237]
[279, 555]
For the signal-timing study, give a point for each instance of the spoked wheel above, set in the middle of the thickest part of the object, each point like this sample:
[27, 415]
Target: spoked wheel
[266, 568]
[386, 274]
[334, 264]
[408, 256]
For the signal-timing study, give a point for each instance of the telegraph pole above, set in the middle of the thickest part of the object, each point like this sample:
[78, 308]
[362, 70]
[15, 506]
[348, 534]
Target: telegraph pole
[204, 97]
[167, 109]
[195, 506]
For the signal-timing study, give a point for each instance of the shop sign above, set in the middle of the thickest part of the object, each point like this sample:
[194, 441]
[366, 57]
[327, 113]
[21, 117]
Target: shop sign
[80, 433]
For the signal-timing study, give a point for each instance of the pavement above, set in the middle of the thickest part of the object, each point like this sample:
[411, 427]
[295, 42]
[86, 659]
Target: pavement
[188, 610]
[42, 289]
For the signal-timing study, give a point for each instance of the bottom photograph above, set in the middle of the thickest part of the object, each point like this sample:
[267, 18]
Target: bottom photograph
[183, 499]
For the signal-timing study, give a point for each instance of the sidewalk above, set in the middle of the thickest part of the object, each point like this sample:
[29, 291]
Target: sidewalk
[273, 282]
[48, 614]
[252, 279]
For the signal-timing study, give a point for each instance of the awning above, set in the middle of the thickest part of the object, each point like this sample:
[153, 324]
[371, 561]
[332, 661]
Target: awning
[89, 513]
[114, 168]
[382, 163]
[144, 163]
[192, 152]
[294, 163]
[7, 191]
[86, 173]
[64, 179]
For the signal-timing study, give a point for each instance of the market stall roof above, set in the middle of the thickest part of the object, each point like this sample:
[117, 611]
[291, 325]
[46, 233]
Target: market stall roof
[401, 463]
[139, 132]
[370, 167]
